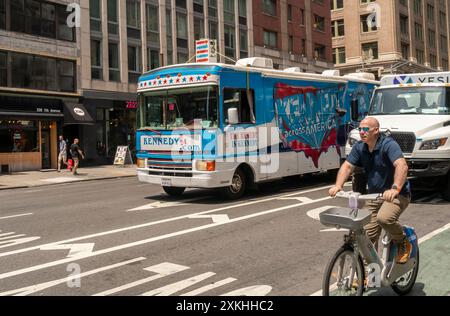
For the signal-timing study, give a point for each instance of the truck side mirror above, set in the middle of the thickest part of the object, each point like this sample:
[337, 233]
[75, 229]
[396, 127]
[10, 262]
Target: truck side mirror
[355, 110]
[233, 116]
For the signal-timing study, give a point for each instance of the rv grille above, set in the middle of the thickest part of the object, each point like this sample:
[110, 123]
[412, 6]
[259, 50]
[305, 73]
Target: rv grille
[407, 141]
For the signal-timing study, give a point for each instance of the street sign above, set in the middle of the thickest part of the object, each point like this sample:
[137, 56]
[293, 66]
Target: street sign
[206, 51]
[123, 156]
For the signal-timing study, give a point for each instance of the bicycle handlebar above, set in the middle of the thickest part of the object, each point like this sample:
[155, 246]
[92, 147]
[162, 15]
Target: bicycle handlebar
[360, 197]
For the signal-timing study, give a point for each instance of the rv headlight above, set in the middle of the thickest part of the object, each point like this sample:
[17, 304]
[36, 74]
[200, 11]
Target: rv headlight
[433, 144]
[202, 165]
[352, 141]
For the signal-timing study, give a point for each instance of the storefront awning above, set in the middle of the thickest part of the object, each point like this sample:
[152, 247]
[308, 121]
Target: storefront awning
[75, 113]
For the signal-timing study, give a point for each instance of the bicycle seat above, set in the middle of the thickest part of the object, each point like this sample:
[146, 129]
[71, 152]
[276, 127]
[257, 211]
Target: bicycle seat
[345, 217]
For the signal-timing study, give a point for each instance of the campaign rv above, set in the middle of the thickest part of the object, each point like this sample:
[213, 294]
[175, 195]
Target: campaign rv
[210, 125]
[414, 109]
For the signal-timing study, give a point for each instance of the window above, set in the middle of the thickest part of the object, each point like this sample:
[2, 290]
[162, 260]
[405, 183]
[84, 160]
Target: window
[242, 8]
[269, 7]
[96, 59]
[420, 55]
[320, 52]
[337, 4]
[365, 27]
[199, 29]
[18, 136]
[243, 43]
[2, 14]
[95, 14]
[405, 51]
[432, 38]
[270, 39]
[228, 11]
[418, 31]
[133, 19]
[43, 73]
[152, 24]
[370, 51]
[417, 5]
[134, 63]
[339, 55]
[404, 25]
[3, 70]
[113, 25]
[243, 101]
[113, 58]
[230, 39]
[153, 59]
[66, 75]
[337, 28]
[38, 18]
[319, 23]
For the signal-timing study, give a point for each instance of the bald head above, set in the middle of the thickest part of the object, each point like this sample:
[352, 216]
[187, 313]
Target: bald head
[370, 122]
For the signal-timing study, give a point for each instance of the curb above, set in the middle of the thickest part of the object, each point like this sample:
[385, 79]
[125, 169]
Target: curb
[68, 182]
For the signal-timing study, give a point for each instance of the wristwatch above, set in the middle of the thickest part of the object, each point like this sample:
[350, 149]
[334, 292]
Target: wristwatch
[395, 187]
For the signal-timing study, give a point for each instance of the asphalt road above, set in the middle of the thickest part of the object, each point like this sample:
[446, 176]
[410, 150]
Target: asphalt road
[121, 237]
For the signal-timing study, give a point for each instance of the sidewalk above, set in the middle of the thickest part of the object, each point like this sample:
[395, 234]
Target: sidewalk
[39, 178]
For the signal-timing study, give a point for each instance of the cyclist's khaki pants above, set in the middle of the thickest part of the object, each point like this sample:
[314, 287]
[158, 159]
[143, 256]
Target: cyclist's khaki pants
[385, 215]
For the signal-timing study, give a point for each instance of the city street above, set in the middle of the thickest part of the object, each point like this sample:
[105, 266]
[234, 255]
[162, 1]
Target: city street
[122, 237]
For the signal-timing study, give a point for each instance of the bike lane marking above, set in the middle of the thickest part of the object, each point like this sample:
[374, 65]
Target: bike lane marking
[119, 230]
[434, 262]
[150, 240]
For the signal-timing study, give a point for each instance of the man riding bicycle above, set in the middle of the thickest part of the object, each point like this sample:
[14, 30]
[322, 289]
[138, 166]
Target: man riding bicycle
[386, 170]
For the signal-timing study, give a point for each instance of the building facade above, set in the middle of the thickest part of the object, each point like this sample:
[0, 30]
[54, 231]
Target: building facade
[38, 81]
[405, 36]
[294, 33]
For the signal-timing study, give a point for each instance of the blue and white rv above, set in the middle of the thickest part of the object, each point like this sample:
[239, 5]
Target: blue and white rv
[209, 125]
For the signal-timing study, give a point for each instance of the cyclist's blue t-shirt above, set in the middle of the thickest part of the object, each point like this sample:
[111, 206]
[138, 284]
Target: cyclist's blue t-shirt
[379, 164]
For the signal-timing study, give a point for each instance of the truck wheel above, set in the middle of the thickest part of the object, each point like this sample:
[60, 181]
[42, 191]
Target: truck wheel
[237, 187]
[446, 188]
[174, 191]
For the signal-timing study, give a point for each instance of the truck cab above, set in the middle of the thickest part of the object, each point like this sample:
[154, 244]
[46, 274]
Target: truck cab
[414, 109]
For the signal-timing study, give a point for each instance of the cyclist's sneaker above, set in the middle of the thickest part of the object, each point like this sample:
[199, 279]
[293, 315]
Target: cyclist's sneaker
[404, 251]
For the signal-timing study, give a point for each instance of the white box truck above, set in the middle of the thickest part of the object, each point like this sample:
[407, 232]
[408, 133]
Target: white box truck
[414, 109]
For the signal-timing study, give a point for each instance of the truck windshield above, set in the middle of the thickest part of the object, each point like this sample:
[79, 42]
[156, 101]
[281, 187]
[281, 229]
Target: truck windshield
[411, 100]
[178, 108]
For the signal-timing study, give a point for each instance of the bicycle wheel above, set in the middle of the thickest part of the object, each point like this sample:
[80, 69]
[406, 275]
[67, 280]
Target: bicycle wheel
[344, 275]
[406, 282]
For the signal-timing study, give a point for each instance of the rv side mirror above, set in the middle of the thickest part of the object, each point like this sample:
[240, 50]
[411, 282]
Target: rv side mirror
[233, 117]
[341, 112]
[355, 110]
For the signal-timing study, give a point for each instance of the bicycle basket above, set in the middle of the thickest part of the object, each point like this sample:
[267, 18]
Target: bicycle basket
[345, 218]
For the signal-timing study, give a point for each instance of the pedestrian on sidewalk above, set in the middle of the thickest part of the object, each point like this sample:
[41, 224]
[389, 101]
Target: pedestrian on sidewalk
[62, 155]
[76, 154]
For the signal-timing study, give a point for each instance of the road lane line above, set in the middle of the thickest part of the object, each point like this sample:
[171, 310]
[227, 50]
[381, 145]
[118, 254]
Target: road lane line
[12, 216]
[42, 286]
[150, 240]
[434, 233]
[119, 230]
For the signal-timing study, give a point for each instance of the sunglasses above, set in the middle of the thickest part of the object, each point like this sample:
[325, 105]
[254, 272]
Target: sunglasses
[364, 129]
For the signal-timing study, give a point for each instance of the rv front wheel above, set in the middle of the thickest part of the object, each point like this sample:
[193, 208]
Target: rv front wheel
[237, 187]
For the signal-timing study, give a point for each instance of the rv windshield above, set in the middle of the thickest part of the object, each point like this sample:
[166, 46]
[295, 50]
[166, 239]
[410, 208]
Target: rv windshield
[411, 100]
[179, 108]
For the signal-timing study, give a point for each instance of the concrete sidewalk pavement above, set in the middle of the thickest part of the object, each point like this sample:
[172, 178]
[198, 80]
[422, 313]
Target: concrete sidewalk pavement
[39, 178]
